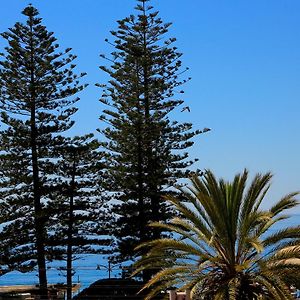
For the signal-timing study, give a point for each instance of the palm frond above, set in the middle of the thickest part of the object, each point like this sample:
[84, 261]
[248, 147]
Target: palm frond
[287, 202]
[222, 247]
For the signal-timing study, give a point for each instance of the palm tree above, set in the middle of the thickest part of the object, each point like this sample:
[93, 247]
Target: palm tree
[224, 245]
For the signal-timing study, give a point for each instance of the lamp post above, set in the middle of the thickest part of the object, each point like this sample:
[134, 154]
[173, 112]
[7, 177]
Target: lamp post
[108, 268]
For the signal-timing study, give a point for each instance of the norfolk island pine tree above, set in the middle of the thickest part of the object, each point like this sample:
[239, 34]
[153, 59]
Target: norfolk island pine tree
[147, 151]
[37, 97]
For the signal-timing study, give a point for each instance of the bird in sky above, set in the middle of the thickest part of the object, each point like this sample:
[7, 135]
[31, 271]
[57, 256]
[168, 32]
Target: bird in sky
[187, 108]
[206, 129]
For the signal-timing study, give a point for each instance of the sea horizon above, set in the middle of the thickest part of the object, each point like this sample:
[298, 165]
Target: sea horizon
[91, 267]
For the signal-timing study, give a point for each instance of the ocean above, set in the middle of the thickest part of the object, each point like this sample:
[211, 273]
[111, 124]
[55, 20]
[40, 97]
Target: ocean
[91, 268]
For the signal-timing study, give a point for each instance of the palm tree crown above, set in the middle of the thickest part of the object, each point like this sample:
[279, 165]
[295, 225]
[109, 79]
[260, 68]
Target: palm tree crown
[224, 244]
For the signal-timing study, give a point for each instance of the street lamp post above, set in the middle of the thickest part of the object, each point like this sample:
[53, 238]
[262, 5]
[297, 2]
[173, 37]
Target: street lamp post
[108, 268]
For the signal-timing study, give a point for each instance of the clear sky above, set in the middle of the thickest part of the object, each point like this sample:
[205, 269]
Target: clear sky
[244, 60]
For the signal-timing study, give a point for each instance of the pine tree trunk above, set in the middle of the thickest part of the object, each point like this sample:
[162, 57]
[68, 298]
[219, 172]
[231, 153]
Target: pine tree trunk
[69, 254]
[152, 187]
[38, 216]
[140, 192]
[141, 215]
[70, 235]
[153, 194]
[39, 220]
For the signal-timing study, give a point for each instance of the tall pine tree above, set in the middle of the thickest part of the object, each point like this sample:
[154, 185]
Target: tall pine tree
[37, 96]
[79, 221]
[147, 150]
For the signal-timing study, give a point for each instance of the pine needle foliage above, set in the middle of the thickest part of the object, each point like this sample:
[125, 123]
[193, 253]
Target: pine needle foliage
[37, 95]
[147, 150]
[226, 245]
[78, 216]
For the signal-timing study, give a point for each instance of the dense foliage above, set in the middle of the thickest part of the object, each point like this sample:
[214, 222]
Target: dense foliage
[226, 245]
[78, 215]
[147, 150]
[37, 97]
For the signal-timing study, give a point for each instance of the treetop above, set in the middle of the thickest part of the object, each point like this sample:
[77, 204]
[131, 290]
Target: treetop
[30, 11]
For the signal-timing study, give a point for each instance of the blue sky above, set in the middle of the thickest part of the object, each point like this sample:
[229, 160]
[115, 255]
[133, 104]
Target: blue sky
[244, 60]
